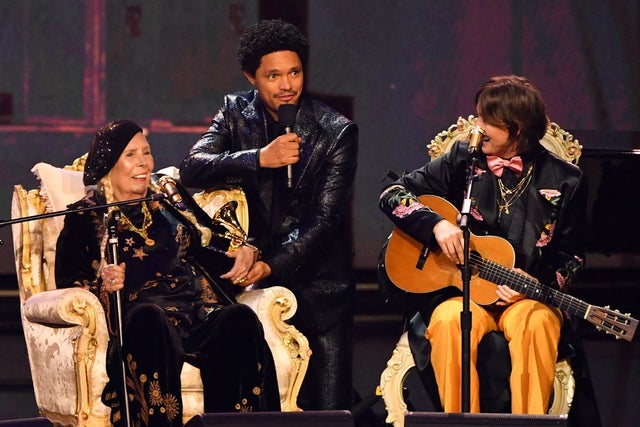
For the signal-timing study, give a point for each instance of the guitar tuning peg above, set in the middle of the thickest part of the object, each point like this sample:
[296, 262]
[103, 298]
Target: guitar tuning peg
[611, 333]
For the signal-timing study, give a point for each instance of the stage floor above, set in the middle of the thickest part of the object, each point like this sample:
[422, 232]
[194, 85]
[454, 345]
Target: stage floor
[614, 365]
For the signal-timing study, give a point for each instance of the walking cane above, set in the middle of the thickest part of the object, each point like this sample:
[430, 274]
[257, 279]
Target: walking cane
[112, 257]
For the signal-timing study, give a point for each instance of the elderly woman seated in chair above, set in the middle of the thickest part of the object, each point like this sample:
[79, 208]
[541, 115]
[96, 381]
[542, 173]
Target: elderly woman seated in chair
[171, 283]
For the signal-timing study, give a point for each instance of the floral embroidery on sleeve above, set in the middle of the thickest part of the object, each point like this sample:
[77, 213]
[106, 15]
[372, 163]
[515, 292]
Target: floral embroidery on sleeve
[566, 273]
[401, 210]
[562, 281]
[473, 210]
[480, 171]
[550, 194]
[475, 213]
[546, 235]
[553, 196]
[400, 201]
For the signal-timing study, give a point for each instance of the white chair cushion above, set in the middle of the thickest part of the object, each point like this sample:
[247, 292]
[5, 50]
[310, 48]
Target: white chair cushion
[59, 187]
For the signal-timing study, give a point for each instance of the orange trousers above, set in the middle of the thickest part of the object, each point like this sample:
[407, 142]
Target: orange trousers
[533, 332]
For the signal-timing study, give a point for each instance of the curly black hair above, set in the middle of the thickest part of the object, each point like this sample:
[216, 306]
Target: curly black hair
[269, 36]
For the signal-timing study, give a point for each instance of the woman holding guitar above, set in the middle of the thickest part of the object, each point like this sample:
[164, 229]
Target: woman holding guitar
[524, 194]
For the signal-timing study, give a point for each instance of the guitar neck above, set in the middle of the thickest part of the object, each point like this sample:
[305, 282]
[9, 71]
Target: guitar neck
[533, 289]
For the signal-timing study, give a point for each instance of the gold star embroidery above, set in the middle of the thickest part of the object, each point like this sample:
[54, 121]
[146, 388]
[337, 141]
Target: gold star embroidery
[139, 253]
[129, 241]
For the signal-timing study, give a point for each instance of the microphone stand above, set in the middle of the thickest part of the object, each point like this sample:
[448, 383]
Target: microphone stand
[153, 197]
[466, 270]
[112, 256]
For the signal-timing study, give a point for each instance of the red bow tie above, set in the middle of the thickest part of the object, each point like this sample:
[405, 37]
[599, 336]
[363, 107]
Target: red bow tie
[497, 164]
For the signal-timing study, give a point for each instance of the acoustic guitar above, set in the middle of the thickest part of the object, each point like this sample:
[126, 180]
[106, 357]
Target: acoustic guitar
[412, 267]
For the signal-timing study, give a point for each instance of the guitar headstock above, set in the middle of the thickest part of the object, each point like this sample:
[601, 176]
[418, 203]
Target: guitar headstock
[623, 326]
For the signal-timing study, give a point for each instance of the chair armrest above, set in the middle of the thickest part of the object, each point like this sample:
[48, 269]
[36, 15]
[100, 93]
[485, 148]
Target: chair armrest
[63, 307]
[275, 304]
[66, 336]
[289, 347]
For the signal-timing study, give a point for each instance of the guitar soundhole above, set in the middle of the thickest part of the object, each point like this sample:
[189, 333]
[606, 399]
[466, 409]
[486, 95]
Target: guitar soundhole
[475, 259]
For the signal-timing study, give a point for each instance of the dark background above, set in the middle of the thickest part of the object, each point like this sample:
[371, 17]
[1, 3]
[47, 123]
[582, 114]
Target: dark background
[403, 70]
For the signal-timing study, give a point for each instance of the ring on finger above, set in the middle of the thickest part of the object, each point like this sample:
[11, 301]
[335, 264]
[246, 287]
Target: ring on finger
[112, 280]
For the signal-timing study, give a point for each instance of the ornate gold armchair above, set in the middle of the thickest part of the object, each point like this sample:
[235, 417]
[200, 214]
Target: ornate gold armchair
[559, 142]
[65, 329]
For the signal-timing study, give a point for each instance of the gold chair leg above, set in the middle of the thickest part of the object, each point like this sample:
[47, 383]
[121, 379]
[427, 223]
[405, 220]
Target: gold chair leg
[392, 380]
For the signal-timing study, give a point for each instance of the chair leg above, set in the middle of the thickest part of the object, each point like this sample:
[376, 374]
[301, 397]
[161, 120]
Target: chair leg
[392, 380]
[564, 386]
[401, 362]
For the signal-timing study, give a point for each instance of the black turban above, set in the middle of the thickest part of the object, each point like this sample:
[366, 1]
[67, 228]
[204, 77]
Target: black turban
[108, 144]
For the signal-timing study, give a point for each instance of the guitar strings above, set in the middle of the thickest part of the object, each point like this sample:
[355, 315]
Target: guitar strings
[531, 287]
[617, 324]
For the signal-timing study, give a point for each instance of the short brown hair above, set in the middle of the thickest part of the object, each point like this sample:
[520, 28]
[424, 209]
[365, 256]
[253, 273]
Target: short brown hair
[514, 103]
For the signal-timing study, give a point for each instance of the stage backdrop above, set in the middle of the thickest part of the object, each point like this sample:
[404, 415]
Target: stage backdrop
[408, 69]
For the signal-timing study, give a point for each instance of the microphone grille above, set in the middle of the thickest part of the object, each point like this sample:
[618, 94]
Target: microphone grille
[287, 115]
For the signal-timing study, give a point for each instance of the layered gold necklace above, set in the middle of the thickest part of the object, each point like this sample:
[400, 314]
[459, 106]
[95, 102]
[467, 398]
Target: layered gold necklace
[510, 195]
[146, 223]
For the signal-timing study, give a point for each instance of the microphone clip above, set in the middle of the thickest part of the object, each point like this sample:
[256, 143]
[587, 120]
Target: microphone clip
[170, 190]
[476, 136]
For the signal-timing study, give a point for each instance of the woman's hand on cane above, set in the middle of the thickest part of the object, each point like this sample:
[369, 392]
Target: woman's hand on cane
[113, 277]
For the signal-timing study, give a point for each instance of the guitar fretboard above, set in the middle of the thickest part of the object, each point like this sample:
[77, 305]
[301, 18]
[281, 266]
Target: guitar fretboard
[533, 289]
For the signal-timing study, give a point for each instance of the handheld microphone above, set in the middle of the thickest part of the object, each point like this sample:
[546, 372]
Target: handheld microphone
[169, 188]
[287, 118]
[476, 135]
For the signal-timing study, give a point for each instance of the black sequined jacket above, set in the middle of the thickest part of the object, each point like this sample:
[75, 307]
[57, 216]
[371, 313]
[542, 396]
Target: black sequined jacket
[549, 245]
[549, 242]
[309, 247]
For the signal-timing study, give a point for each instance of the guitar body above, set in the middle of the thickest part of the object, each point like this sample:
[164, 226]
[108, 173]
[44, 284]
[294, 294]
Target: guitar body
[406, 271]
[410, 267]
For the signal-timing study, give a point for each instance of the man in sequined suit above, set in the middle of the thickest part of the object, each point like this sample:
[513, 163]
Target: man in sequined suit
[302, 230]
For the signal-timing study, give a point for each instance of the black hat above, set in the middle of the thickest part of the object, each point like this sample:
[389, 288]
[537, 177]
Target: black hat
[109, 142]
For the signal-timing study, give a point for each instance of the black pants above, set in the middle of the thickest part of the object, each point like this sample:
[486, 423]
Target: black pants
[328, 382]
[235, 363]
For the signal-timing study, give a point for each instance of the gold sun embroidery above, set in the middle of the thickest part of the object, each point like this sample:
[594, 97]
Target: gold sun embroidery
[155, 394]
[172, 406]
